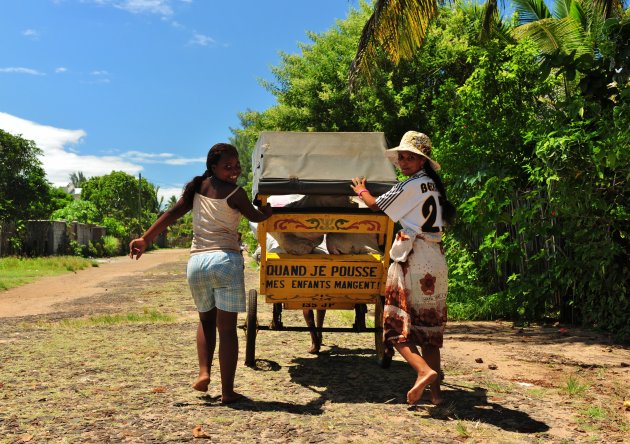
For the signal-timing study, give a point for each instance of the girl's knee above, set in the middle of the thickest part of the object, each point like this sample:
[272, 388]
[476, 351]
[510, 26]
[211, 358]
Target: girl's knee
[208, 316]
[226, 322]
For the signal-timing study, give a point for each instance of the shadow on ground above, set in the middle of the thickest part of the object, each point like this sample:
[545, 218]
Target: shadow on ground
[352, 376]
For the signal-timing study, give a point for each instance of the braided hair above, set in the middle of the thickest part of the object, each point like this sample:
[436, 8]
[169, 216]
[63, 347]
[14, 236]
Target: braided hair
[214, 155]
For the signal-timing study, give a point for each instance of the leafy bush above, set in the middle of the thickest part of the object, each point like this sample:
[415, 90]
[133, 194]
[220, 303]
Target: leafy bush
[111, 246]
[93, 249]
[77, 249]
[115, 227]
[77, 210]
[180, 233]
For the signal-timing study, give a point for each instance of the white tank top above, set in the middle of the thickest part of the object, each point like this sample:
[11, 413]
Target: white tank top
[214, 224]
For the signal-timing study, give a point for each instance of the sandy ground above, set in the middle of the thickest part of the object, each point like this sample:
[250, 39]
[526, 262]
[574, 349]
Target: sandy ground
[503, 383]
[41, 296]
[516, 352]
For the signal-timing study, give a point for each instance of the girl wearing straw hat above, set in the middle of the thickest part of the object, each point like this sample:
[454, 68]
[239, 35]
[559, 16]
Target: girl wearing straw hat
[415, 296]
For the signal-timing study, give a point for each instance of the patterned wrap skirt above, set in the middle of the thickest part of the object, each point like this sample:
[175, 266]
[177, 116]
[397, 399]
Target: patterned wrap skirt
[415, 294]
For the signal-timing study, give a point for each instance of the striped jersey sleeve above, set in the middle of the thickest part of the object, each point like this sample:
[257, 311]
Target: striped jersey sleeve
[401, 199]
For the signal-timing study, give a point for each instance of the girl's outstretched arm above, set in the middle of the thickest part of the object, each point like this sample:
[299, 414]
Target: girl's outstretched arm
[240, 201]
[138, 246]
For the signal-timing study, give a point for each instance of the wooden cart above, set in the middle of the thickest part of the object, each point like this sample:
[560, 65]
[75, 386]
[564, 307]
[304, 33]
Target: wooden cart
[321, 281]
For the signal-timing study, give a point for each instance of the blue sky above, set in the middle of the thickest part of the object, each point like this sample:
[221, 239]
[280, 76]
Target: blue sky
[142, 86]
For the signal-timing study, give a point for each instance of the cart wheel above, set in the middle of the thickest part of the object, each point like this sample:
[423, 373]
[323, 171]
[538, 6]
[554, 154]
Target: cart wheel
[383, 359]
[250, 328]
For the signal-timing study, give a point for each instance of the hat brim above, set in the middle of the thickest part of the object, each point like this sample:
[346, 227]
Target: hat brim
[392, 155]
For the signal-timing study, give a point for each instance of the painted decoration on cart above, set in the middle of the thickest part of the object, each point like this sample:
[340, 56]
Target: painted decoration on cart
[348, 223]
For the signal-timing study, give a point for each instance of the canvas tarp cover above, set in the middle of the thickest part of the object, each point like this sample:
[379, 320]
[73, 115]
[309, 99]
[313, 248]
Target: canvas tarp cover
[286, 162]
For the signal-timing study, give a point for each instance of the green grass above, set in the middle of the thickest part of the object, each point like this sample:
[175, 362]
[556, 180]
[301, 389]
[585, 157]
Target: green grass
[16, 271]
[538, 392]
[497, 387]
[347, 317]
[148, 316]
[596, 412]
[573, 386]
[460, 428]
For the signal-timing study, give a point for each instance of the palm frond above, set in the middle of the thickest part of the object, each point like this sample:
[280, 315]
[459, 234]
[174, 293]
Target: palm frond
[561, 8]
[581, 13]
[398, 27]
[475, 12]
[551, 35]
[531, 10]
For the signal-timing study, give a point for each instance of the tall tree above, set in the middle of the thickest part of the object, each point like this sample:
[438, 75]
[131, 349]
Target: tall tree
[125, 204]
[77, 179]
[570, 36]
[574, 26]
[171, 202]
[24, 191]
[398, 27]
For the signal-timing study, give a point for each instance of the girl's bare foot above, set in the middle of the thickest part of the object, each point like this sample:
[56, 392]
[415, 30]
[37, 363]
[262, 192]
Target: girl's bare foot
[316, 343]
[433, 395]
[314, 349]
[202, 382]
[423, 380]
[233, 397]
[436, 394]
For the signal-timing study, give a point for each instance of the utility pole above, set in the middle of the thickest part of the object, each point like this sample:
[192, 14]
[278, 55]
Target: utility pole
[139, 196]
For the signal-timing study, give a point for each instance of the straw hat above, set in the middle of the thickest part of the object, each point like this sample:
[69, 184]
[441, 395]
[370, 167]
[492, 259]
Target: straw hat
[414, 142]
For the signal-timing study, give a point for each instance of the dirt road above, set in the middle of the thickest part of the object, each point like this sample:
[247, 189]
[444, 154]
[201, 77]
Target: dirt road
[79, 369]
[43, 295]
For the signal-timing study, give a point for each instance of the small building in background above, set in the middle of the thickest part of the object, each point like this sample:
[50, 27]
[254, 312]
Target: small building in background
[75, 192]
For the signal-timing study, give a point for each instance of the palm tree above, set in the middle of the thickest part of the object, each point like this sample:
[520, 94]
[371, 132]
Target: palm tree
[567, 37]
[159, 200]
[77, 179]
[572, 27]
[171, 202]
[398, 27]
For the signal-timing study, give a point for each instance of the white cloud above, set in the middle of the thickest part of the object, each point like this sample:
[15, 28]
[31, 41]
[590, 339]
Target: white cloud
[163, 158]
[99, 76]
[166, 193]
[201, 39]
[58, 161]
[96, 82]
[185, 161]
[21, 70]
[161, 7]
[31, 34]
[61, 69]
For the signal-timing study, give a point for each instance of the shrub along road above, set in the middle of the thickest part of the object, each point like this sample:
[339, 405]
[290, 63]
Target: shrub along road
[82, 369]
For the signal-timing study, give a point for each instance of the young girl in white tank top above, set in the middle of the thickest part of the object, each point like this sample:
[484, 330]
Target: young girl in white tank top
[215, 268]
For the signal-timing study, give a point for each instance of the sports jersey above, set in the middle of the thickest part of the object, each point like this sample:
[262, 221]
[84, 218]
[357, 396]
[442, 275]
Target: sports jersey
[415, 203]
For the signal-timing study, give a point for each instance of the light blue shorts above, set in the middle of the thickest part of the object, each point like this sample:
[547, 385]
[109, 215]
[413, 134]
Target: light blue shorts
[216, 279]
